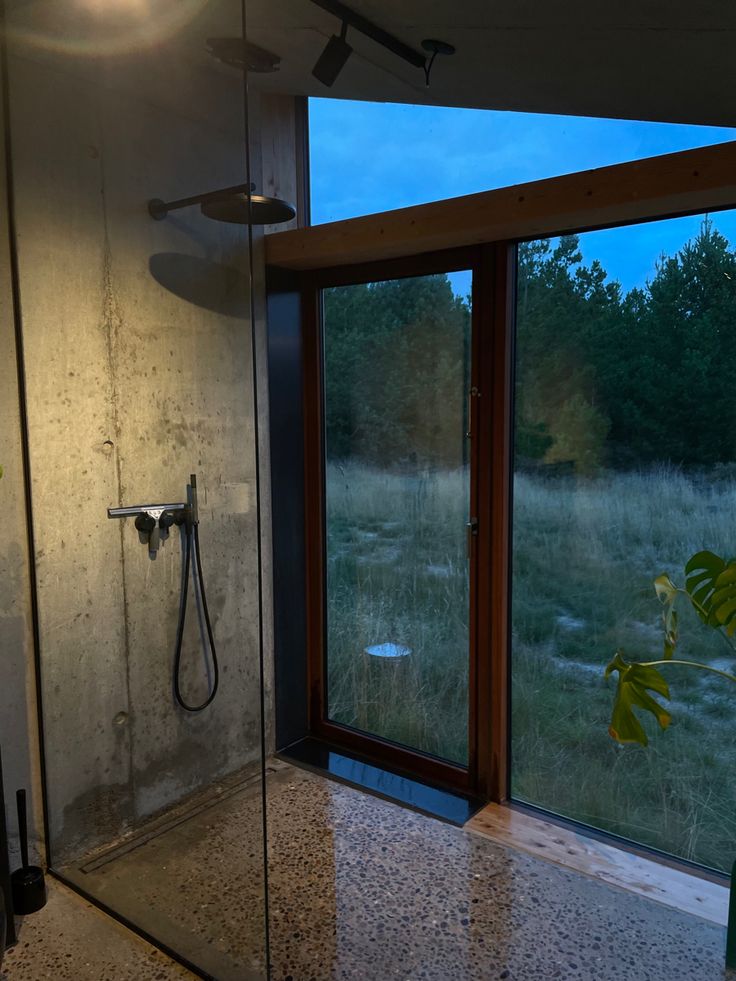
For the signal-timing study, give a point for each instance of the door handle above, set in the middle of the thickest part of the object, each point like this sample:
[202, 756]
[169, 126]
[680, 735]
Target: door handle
[472, 393]
[472, 532]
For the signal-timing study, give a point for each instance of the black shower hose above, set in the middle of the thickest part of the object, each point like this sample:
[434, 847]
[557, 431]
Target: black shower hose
[191, 534]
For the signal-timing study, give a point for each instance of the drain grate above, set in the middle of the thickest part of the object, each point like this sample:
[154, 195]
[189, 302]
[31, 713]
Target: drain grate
[167, 823]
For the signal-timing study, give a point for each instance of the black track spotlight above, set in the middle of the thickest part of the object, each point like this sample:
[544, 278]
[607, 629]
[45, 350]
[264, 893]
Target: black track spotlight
[332, 60]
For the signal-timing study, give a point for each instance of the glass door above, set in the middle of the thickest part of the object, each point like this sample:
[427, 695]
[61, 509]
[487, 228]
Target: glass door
[138, 369]
[396, 398]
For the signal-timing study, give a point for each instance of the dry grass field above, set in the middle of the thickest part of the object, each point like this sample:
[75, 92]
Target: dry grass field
[585, 552]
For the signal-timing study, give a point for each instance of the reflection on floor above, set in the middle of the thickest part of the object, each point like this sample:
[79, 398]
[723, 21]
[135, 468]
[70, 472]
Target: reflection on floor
[365, 890]
[193, 878]
[530, 833]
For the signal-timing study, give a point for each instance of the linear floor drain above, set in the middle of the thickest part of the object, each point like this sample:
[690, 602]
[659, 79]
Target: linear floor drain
[168, 822]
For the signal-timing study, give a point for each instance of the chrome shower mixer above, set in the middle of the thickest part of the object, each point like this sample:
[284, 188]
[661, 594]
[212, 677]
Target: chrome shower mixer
[153, 521]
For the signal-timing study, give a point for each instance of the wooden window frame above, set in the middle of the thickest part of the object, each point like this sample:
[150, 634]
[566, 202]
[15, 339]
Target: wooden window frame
[486, 330]
[417, 240]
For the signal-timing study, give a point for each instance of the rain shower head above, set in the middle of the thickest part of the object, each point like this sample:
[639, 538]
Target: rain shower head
[235, 205]
[238, 53]
[236, 210]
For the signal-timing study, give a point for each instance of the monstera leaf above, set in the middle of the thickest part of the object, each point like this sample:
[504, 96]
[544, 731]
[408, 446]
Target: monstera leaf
[711, 584]
[635, 681]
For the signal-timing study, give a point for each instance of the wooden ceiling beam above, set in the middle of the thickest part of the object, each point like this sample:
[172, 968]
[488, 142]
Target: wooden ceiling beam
[687, 182]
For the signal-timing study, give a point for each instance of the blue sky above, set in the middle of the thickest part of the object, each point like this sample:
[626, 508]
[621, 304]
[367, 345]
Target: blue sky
[368, 157]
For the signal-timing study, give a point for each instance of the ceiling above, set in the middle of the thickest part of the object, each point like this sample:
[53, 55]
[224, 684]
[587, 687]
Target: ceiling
[670, 60]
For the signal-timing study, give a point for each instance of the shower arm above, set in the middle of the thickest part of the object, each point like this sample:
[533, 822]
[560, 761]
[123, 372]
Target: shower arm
[159, 209]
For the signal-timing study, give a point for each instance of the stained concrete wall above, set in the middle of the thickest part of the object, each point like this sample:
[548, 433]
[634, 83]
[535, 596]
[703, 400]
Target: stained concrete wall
[138, 372]
[18, 729]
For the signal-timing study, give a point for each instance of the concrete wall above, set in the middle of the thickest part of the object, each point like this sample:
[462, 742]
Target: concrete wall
[18, 728]
[138, 372]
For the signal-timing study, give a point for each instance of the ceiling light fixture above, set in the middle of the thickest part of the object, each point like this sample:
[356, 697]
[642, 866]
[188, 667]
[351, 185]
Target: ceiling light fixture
[333, 58]
[435, 48]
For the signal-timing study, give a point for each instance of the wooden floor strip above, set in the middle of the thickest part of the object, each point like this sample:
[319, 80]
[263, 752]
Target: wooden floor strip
[563, 846]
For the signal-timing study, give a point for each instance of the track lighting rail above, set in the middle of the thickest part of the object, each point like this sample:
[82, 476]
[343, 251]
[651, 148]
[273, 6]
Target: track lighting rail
[371, 30]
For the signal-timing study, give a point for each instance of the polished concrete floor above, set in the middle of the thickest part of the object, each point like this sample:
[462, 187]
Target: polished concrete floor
[71, 940]
[362, 889]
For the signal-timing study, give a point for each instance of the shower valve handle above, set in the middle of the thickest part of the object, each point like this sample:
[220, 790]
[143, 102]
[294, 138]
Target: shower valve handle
[145, 523]
[149, 532]
[165, 522]
[154, 541]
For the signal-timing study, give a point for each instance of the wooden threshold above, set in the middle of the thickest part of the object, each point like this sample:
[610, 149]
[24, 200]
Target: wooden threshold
[563, 846]
[688, 182]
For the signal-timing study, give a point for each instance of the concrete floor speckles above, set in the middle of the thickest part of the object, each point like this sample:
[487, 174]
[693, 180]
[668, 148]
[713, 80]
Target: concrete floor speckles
[71, 940]
[364, 890]
[361, 889]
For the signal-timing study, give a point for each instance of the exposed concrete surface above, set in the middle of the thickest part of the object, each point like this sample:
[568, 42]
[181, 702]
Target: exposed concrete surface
[565, 57]
[71, 940]
[194, 878]
[138, 372]
[18, 724]
[361, 889]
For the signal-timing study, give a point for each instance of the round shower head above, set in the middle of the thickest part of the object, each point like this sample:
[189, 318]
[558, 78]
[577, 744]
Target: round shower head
[239, 53]
[262, 211]
[230, 204]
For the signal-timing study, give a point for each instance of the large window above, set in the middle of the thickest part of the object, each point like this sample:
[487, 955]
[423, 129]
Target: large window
[625, 465]
[367, 156]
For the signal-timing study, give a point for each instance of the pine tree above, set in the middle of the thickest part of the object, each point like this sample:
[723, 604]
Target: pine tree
[678, 349]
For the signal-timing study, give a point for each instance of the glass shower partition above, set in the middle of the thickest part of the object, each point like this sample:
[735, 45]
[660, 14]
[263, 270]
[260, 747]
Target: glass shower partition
[138, 372]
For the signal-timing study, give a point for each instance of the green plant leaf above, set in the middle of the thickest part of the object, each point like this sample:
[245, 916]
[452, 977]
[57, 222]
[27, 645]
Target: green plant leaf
[671, 633]
[711, 584]
[635, 681]
[702, 570]
[665, 589]
[667, 594]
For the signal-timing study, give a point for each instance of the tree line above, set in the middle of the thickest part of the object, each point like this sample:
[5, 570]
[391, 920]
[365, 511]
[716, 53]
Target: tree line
[604, 377]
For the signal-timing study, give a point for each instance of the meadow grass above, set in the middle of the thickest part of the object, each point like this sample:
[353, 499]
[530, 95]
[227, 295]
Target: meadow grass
[585, 553]
[584, 557]
[396, 573]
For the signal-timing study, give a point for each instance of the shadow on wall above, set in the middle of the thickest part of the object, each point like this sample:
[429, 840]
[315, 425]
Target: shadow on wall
[209, 285]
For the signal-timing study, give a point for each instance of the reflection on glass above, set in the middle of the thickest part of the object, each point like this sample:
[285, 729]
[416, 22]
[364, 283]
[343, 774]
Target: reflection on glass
[138, 357]
[397, 486]
[625, 467]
